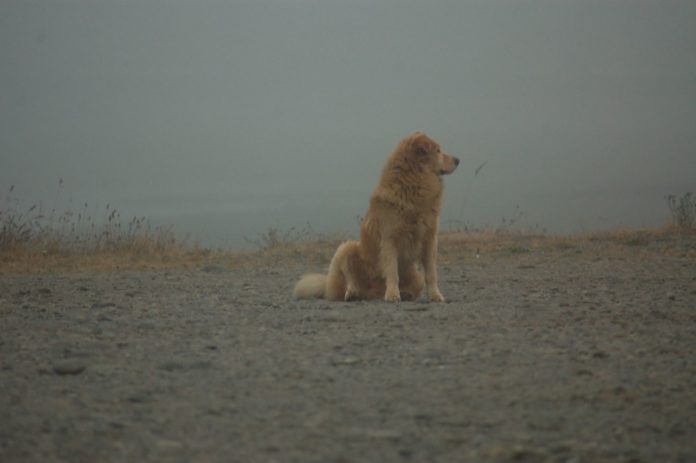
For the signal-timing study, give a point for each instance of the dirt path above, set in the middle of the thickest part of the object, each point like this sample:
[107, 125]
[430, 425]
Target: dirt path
[564, 356]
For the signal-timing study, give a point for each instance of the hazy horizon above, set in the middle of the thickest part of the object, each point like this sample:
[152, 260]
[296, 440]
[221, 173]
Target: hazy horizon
[226, 118]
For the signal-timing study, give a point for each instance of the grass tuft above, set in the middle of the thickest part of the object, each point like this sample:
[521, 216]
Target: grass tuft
[88, 238]
[682, 210]
[274, 237]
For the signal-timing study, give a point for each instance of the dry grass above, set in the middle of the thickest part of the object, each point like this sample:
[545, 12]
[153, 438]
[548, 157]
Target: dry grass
[316, 253]
[668, 240]
[84, 238]
[90, 238]
[36, 241]
[146, 249]
[93, 238]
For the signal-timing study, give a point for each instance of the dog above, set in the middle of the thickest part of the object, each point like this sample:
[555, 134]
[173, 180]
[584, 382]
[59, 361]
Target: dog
[398, 232]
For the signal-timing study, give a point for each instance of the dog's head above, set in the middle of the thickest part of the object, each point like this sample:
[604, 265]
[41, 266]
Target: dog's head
[427, 152]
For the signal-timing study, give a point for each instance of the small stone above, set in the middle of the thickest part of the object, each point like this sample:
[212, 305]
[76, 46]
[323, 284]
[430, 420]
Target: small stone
[169, 444]
[103, 305]
[69, 367]
[138, 398]
[416, 308]
[200, 365]
[523, 454]
[387, 434]
[347, 360]
[146, 325]
[171, 365]
[379, 434]
[213, 269]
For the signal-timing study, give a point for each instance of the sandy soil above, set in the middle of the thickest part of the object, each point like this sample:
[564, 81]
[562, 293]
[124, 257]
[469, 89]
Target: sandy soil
[571, 354]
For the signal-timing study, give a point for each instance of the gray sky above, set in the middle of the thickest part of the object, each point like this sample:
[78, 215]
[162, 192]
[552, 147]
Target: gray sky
[225, 117]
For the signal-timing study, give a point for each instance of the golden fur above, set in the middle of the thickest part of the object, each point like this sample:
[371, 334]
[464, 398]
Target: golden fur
[398, 232]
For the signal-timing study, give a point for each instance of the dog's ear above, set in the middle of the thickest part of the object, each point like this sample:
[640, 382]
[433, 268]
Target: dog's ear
[421, 144]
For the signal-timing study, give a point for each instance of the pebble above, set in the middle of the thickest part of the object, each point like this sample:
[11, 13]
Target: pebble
[171, 365]
[415, 308]
[167, 443]
[138, 398]
[379, 434]
[388, 434]
[103, 305]
[347, 360]
[69, 367]
[213, 269]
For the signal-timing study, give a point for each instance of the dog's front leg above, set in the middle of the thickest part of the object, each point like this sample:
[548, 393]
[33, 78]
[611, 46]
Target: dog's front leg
[390, 270]
[430, 267]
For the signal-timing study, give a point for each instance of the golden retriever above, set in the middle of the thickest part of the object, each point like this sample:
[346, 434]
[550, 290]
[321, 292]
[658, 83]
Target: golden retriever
[398, 231]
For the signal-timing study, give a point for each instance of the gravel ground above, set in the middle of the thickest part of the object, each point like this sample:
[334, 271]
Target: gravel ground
[567, 355]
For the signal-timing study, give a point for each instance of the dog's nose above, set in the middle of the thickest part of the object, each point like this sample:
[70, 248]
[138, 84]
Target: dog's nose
[456, 161]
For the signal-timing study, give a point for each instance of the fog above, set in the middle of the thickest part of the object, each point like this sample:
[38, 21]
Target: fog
[223, 118]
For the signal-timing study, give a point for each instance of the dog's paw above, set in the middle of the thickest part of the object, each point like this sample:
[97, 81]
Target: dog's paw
[436, 296]
[392, 296]
[351, 295]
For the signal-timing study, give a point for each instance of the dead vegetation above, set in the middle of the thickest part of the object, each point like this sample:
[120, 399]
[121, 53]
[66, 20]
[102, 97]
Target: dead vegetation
[668, 240]
[146, 253]
[35, 240]
[85, 238]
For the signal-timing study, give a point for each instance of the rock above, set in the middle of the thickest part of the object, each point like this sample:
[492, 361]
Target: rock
[69, 367]
[213, 269]
[146, 325]
[200, 365]
[169, 444]
[416, 308]
[171, 365]
[388, 434]
[138, 398]
[378, 434]
[346, 360]
[102, 305]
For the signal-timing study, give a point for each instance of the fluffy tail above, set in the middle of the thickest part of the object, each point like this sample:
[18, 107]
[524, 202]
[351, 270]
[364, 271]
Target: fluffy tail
[310, 285]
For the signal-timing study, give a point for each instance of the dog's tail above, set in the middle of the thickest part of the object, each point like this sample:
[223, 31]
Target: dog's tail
[310, 285]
